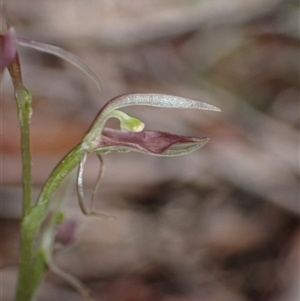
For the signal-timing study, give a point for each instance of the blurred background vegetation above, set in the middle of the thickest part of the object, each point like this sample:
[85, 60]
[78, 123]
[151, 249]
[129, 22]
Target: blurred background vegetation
[219, 224]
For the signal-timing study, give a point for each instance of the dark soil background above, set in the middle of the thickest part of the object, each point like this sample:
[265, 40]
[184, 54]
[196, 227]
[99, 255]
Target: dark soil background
[221, 224]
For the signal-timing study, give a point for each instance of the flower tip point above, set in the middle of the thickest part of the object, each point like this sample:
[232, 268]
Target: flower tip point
[214, 108]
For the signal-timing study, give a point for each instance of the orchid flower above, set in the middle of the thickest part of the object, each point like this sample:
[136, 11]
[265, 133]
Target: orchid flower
[105, 141]
[131, 136]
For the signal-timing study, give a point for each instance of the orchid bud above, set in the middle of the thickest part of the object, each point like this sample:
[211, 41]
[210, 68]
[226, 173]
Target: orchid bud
[66, 232]
[8, 48]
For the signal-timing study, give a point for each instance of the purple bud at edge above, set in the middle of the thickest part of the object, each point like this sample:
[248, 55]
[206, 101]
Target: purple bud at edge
[8, 48]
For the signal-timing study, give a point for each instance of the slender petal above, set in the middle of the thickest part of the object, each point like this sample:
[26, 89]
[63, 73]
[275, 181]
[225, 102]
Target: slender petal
[63, 54]
[157, 100]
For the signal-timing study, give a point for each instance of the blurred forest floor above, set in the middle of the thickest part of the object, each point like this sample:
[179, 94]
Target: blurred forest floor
[219, 224]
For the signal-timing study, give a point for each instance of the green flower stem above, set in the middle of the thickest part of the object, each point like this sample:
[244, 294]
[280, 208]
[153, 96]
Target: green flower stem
[23, 99]
[32, 262]
[31, 268]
